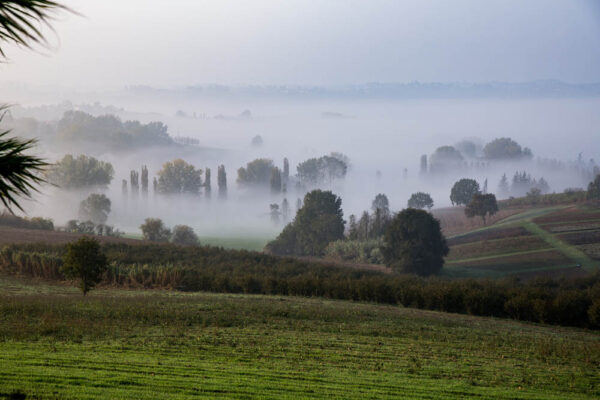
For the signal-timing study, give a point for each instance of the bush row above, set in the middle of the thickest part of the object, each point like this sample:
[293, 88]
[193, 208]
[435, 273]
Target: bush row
[570, 302]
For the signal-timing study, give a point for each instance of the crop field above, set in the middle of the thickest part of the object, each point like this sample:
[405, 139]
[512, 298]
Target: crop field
[453, 220]
[57, 344]
[584, 237]
[547, 240]
[498, 247]
[531, 260]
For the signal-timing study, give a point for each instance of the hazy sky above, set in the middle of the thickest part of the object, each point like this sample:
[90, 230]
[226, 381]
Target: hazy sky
[181, 42]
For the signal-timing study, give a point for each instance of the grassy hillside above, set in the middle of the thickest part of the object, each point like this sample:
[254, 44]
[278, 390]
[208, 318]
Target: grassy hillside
[55, 343]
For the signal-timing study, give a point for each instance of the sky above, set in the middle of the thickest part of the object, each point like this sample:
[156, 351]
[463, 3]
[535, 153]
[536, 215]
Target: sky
[305, 42]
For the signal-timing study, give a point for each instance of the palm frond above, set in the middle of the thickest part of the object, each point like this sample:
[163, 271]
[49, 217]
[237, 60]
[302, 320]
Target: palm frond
[19, 172]
[22, 21]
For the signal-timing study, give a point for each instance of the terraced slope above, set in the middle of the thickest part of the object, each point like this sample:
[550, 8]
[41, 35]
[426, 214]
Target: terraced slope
[554, 240]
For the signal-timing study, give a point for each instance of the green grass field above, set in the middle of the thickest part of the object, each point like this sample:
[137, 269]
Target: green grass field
[125, 344]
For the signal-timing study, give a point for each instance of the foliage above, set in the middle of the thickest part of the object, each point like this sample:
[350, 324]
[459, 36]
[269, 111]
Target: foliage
[275, 180]
[360, 251]
[179, 177]
[9, 219]
[222, 181]
[84, 261]
[413, 243]
[593, 192]
[21, 21]
[505, 149]
[316, 171]
[20, 173]
[109, 132]
[381, 202]
[95, 208]
[80, 172]
[468, 148]
[257, 172]
[257, 141]
[195, 268]
[153, 229]
[444, 158]
[545, 199]
[482, 205]
[317, 223]
[183, 234]
[420, 200]
[463, 191]
[90, 228]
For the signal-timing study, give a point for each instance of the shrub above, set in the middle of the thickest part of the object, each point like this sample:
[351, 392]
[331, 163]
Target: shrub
[84, 261]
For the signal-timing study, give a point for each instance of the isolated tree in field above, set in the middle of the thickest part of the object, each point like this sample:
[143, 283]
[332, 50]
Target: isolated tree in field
[285, 210]
[95, 208]
[21, 23]
[593, 192]
[445, 158]
[463, 191]
[134, 180]
[256, 173]
[222, 181]
[183, 234]
[84, 261]
[80, 172]
[257, 141]
[503, 188]
[207, 184]
[420, 200]
[153, 229]
[381, 202]
[319, 222]
[286, 170]
[482, 205]
[144, 180]
[179, 177]
[275, 213]
[275, 180]
[423, 169]
[413, 243]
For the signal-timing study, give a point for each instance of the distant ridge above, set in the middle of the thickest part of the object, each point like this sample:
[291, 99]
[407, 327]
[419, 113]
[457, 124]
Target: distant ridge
[411, 90]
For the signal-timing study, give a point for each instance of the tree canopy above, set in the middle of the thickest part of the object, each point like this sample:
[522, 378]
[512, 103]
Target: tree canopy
[445, 157]
[482, 205]
[593, 192]
[318, 222]
[463, 191]
[505, 149]
[179, 177]
[183, 234]
[316, 171]
[153, 229]
[109, 132]
[256, 173]
[84, 261]
[95, 208]
[413, 243]
[420, 200]
[80, 172]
